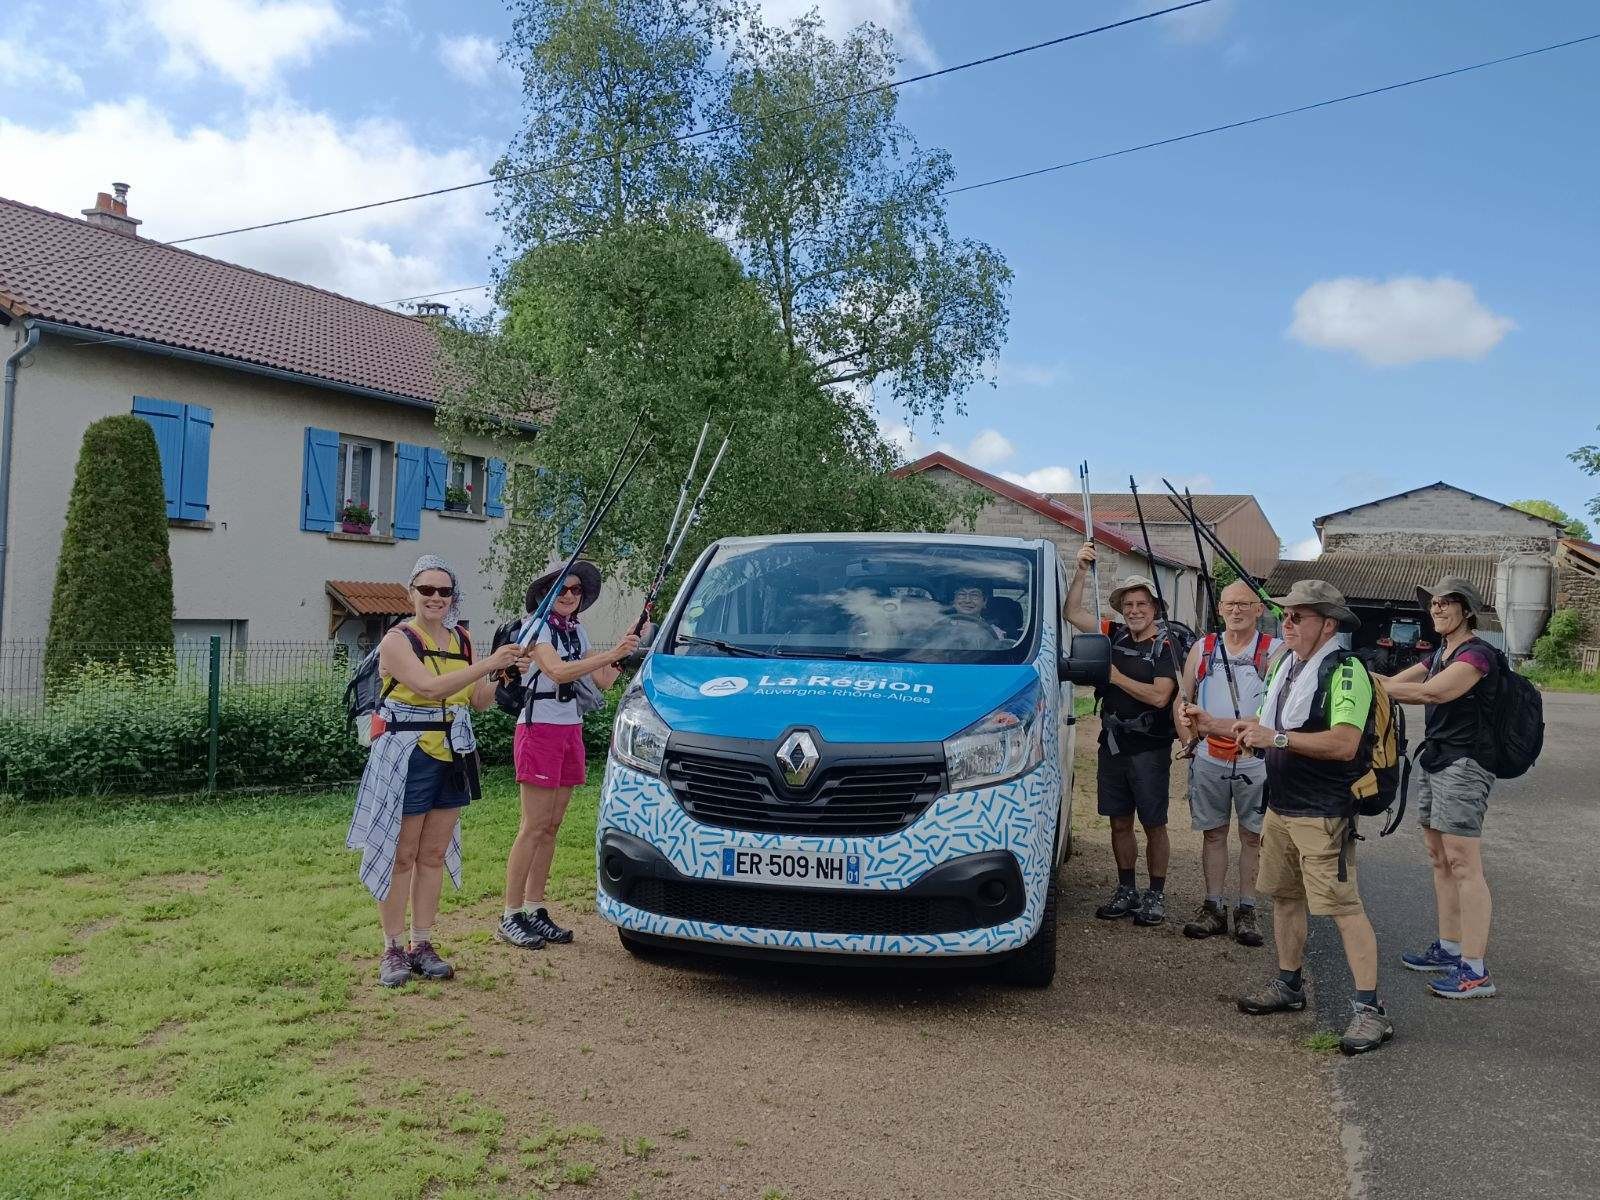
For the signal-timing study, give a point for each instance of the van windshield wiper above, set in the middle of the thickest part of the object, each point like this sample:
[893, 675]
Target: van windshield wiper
[718, 644]
[735, 648]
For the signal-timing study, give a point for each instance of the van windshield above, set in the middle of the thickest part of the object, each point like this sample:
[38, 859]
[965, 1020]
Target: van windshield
[883, 601]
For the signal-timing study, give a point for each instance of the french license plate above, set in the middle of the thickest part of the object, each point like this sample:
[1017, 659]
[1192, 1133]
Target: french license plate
[795, 868]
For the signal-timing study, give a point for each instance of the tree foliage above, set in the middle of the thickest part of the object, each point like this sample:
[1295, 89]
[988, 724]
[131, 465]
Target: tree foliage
[1573, 527]
[1588, 460]
[113, 589]
[663, 319]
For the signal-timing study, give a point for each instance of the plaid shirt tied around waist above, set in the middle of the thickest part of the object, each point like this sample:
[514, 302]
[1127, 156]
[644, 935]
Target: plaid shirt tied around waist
[375, 827]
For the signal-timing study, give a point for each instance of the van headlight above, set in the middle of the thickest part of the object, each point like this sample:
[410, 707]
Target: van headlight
[1006, 743]
[639, 738]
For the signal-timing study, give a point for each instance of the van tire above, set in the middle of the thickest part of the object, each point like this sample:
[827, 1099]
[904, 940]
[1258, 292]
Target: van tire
[1034, 965]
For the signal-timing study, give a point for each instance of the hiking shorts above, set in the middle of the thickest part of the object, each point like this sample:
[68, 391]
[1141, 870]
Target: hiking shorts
[1135, 783]
[1300, 861]
[550, 756]
[1455, 798]
[432, 783]
[1217, 795]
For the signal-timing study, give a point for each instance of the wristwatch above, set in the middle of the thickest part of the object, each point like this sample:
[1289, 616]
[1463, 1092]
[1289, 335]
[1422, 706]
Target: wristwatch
[1280, 741]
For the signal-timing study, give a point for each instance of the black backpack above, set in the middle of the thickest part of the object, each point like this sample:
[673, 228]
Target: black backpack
[366, 689]
[1517, 719]
[512, 694]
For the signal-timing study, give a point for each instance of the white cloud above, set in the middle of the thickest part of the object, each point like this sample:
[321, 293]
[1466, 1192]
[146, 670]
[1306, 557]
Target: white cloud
[29, 65]
[841, 16]
[1307, 548]
[246, 41]
[1027, 374]
[1047, 479]
[280, 161]
[471, 58]
[1403, 320]
[990, 448]
[1194, 25]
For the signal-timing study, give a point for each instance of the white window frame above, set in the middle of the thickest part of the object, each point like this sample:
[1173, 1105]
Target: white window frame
[380, 479]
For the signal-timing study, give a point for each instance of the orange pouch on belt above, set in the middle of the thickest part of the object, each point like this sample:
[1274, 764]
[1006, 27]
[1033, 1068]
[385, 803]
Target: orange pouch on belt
[378, 726]
[1225, 749]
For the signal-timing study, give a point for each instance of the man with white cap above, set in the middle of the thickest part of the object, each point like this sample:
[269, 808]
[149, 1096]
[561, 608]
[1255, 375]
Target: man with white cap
[1459, 686]
[1135, 767]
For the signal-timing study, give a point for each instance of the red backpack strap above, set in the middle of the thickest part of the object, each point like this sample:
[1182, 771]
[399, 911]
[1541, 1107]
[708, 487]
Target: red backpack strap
[1263, 648]
[1209, 647]
[464, 644]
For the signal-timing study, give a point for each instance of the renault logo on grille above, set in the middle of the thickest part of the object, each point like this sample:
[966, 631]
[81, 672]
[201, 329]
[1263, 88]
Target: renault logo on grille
[797, 758]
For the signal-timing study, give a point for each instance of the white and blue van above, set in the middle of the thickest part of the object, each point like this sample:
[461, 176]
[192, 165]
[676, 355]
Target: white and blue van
[850, 745]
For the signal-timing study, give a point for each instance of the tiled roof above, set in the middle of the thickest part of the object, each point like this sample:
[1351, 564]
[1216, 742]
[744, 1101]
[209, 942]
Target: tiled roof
[1158, 506]
[364, 599]
[1385, 577]
[1037, 501]
[58, 268]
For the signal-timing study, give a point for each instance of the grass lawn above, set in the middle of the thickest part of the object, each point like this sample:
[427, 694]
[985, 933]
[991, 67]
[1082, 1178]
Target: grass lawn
[184, 984]
[1562, 681]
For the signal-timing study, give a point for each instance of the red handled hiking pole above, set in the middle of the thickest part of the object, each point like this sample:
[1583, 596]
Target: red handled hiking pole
[677, 532]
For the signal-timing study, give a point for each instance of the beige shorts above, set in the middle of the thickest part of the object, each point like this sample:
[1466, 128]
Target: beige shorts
[1300, 860]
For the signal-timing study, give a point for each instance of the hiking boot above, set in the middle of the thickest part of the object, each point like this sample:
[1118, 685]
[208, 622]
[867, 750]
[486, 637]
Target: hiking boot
[1122, 903]
[1245, 931]
[1152, 908]
[1462, 984]
[425, 961]
[539, 921]
[395, 968]
[1276, 997]
[1369, 1028]
[1211, 920]
[1434, 958]
[516, 931]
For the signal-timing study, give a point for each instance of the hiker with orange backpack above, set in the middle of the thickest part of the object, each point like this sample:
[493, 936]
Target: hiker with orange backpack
[1225, 677]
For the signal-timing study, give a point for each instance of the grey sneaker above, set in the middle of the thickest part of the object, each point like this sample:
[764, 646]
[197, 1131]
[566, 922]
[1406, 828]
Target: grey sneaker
[515, 931]
[1152, 908]
[539, 921]
[1369, 1028]
[395, 968]
[1122, 903]
[425, 961]
[1211, 920]
[1276, 997]
[1245, 930]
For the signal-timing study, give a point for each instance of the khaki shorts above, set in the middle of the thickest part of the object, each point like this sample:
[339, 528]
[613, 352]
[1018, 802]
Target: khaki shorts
[1300, 861]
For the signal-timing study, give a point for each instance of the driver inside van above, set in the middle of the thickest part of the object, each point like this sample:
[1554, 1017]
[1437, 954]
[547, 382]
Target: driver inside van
[968, 626]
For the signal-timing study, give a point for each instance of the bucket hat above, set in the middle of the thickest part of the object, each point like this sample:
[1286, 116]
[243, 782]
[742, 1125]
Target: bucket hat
[1134, 583]
[588, 574]
[1453, 585]
[1322, 596]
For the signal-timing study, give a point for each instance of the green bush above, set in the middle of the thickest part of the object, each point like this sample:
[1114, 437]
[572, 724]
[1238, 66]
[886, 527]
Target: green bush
[114, 575]
[1556, 650]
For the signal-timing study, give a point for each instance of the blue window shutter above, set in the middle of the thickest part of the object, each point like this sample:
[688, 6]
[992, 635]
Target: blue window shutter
[438, 475]
[494, 488]
[410, 484]
[166, 419]
[318, 504]
[197, 422]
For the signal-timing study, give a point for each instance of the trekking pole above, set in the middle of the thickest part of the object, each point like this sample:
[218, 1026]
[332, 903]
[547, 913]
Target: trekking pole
[1088, 533]
[1222, 550]
[670, 554]
[1155, 578]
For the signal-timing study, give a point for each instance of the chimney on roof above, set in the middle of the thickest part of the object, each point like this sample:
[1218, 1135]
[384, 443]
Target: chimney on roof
[433, 312]
[111, 212]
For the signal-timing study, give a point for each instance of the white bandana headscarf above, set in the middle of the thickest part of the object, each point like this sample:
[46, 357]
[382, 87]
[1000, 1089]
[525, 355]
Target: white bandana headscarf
[1297, 708]
[432, 562]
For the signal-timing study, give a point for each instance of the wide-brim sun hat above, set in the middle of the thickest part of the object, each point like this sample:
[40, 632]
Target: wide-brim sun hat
[1452, 585]
[1134, 583]
[588, 574]
[1322, 596]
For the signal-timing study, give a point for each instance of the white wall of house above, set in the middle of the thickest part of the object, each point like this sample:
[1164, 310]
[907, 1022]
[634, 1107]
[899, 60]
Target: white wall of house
[253, 564]
[1437, 520]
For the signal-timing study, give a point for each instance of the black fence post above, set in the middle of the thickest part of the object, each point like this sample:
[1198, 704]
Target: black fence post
[213, 713]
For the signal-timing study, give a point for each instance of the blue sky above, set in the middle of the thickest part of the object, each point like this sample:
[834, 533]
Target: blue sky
[1319, 310]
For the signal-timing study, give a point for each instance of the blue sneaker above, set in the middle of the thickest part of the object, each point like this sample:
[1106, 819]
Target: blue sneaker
[1434, 958]
[1462, 984]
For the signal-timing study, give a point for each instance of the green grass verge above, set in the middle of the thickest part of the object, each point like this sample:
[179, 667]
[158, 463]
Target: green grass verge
[1562, 681]
[183, 982]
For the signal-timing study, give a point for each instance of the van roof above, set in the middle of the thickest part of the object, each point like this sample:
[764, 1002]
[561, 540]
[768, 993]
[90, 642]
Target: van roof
[909, 539]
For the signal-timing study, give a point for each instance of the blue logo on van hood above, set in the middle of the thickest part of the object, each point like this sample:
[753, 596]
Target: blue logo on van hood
[843, 701]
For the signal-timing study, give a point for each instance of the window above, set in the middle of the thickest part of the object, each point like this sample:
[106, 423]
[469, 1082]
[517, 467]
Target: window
[183, 436]
[357, 476]
[344, 469]
[466, 487]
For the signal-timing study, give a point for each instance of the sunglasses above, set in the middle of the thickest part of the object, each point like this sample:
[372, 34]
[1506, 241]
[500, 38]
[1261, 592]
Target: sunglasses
[427, 589]
[572, 589]
[1300, 618]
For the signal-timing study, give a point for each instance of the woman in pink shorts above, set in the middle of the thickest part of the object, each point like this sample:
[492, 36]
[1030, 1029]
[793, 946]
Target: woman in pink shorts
[549, 747]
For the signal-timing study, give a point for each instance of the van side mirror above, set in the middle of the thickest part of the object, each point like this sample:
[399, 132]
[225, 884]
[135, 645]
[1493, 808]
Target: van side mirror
[1088, 661]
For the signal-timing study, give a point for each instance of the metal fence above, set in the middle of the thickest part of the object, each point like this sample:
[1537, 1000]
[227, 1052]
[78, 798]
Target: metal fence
[92, 718]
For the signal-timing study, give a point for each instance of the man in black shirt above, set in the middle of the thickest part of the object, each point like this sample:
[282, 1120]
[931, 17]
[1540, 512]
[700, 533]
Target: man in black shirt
[1136, 735]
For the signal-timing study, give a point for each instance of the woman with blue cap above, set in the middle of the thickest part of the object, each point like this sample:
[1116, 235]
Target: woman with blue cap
[423, 768]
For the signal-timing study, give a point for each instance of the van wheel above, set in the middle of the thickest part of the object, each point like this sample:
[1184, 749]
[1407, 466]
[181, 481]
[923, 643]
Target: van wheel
[1035, 964]
[637, 947]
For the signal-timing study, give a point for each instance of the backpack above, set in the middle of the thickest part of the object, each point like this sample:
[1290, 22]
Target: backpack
[1209, 644]
[513, 694]
[366, 691]
[1517, 719]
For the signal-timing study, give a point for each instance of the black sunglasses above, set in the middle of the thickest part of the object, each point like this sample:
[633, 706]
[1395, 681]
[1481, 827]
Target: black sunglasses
[427, 589]
[572, 589]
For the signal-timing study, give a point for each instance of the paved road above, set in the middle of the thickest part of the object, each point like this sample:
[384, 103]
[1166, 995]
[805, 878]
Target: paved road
[1496, 1097]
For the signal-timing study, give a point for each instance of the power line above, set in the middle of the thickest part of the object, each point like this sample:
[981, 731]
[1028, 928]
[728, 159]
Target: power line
[643, 148]
[1184, 137]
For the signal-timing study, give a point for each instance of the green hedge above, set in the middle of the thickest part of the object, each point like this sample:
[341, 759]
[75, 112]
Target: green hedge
[113, 731]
